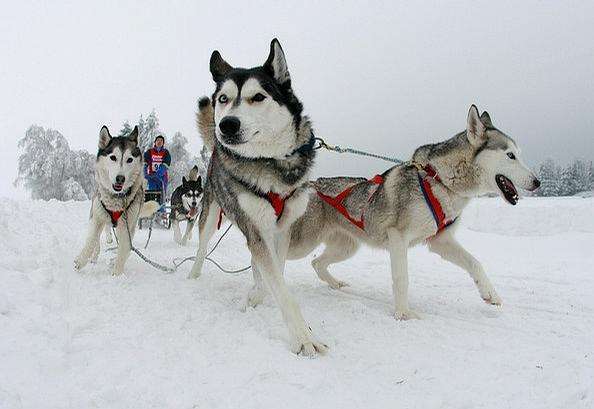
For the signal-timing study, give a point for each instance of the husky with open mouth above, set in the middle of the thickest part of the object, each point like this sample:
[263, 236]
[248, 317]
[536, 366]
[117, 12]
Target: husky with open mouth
[408, 204]
[258, 173]
[119, 197]
[185, 205]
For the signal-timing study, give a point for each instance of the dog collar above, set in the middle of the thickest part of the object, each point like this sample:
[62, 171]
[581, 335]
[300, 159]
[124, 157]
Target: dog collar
[305, 148]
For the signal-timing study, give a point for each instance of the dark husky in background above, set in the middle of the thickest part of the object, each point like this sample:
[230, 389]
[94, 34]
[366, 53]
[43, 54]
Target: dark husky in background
[185, 205]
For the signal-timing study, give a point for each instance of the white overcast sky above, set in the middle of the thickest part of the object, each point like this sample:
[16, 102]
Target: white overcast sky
[382, 76]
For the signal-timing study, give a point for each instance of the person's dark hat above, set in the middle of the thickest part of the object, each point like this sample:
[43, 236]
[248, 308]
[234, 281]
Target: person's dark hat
[160, 137]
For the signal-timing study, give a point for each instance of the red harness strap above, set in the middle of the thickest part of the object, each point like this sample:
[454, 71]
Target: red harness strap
[276, 201]
[115, 216]
[432, 201]
[337, 201]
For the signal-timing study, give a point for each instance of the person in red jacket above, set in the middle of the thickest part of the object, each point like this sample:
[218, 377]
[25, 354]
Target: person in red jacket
[156, 162]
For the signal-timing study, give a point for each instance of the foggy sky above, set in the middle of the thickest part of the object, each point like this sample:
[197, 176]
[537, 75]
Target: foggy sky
[382, 76]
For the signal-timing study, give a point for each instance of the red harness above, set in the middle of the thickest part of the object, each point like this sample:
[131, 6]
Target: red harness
[432, 201]
[337, 201]
[276, 201]
[114, 215]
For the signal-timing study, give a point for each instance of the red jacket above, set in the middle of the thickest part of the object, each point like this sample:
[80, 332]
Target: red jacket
[154, 158]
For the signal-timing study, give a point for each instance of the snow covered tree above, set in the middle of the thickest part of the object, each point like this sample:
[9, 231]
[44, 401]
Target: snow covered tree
[203, 162]
[148, 130]
[581, 174]
[180, 159]
[549, 175]
[47, 164]
[126, 129]
[72, 190]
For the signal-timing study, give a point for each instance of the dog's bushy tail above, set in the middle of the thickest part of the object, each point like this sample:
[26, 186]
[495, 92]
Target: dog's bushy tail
[205, 122]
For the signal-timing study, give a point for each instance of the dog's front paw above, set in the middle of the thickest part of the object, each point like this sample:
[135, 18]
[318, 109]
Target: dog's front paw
[115, 271]
[255, 297]
[491, 297]
[406, 315]
[337, 284]
[309, 349]
[79, 263]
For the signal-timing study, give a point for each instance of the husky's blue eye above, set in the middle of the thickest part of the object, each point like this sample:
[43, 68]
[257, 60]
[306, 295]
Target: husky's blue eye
[223, 99]
[113, 158]
[129, 160]
[511, 155]
[258, 98]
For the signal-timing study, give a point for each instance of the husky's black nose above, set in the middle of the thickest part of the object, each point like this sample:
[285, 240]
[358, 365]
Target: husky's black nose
[229, 126]
[120, 179]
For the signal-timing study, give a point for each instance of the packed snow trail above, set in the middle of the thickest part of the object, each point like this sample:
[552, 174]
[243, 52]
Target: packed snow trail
[152, 340]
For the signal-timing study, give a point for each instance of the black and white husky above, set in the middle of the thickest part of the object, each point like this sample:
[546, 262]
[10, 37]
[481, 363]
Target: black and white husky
[262, 155]
[185, 205]
[119, 197]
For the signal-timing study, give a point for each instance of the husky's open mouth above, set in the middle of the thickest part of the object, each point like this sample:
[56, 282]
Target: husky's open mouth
[117, 187]
[508, 189]
[193, 211]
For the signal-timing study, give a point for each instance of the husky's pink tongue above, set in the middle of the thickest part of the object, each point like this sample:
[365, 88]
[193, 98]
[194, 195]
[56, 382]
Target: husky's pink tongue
[193, 211]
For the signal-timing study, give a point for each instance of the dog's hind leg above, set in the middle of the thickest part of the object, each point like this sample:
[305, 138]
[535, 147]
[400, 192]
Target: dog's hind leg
[399, 262]
[93, 237]
[264, 257]
[446, 245]
[339, 247]
[207, 225]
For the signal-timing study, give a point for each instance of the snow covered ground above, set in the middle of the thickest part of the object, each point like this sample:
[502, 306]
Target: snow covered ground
[150, 340]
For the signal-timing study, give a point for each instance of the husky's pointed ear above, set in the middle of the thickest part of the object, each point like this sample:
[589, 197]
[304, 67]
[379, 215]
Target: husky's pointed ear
[184, 181]
[104, 137]
[219, 68]
[276, 64]
[486, 119]
[475, 130]
[134, 135]
[199, 180]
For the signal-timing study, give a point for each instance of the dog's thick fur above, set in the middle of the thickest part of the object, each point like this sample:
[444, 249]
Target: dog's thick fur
[119, 187]
[185, 205]
[263, 144]
[396, 214]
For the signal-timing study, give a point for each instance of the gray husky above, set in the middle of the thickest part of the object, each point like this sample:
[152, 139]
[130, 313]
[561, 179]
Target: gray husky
[262, 155]
[185, 202]
[119, 197]
[412, 203]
